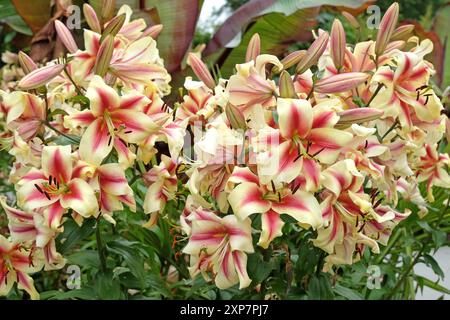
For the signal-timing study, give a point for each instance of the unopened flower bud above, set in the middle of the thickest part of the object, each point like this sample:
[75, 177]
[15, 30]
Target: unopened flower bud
[66, 36]
[253, 48]
[152, 31]
[286, 85]
[235, 116]
[108, 9]
[113, 27]
[351, 19]
[358, 115]
[105, 53]
[313, 54]
[290, 60]
[91, 18]
[340, 82]
[402, 32]
[387, 28]
[41, 76]
[26, 63]
[337, 44]
[201, 70]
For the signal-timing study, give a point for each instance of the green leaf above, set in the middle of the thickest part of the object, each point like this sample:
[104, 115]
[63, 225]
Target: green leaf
[430, 261]
[106, 287]
[319, 288]
[132, 255]
[433, 285]
[86, 293]
[85, 258]
[347, 293]
[73, 234]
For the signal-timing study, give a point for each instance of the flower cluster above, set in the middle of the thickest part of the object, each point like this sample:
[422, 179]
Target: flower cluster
[327, 139]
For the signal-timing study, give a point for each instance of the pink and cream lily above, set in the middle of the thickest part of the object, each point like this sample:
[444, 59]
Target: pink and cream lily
[307, 134]
[249, 196]
[162, 186]
[32, 227]
[25, 113]
[16, 263]
[433, 168]
[56, 187]
[406, 94]
[112, 121]
[219, 245]
[250, 85]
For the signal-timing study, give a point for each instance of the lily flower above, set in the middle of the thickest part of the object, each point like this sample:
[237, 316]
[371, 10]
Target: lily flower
[219, 246]
[56, 187]
[112, 121]
[250, 85]
[249, 196]
[16, 263]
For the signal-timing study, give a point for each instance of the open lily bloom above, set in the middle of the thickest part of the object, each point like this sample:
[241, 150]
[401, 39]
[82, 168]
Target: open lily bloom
[25, 113]
[307, 134]
[111, 122]
[16, 263]
[31, 227]
[250, 86]
[249, 197]
[220, 246]
[56, 187]
[406, 91]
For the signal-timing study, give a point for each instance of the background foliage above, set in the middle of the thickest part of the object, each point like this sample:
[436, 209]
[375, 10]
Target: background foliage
[147, 264]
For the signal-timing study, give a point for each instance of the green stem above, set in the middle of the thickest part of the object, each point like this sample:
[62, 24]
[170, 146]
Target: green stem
[406, 273]
[77, 89]
[394, 125]
[47, 124]
[388, 248]
[100, 248]
[374, 94]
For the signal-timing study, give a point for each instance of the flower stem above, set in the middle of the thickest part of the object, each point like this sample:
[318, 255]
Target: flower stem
[77, 89]
[100, 247]
[374, 94]
[47, 124]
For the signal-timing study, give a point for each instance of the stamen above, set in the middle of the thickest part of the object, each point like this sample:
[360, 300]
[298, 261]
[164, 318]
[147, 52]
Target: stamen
[273, 186]
[367, 143]
[315, 154]
[46, 194]
[38, 188]
[50, 180]
[109, 141]
[279, 197]
[129, 131]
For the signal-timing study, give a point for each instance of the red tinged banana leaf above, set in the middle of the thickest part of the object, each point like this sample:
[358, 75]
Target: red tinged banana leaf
[179, 20]
[276, 29]
[35, 13]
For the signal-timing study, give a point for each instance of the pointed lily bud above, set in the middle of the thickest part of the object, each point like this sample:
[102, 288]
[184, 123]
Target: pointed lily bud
[337, 44]
[113, 26]
[108, 9]
[340, 82]
[66, 36]
[387, 27]
[26, 63]
[235, 116]
[290, 60]
[201, 70]
[351, 19]
[313, 54]
[402, 32]
[105, 53]
[91, 18]
[287, 89]
[253, 48]
[152, 31]
[41, 76]
[358, 115]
